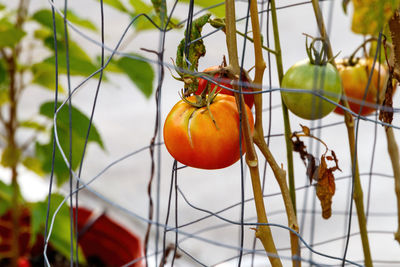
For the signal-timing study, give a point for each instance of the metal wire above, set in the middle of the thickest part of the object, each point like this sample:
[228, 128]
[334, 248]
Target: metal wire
[176, 193]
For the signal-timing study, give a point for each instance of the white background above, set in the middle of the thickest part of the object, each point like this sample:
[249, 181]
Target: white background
[125, 119]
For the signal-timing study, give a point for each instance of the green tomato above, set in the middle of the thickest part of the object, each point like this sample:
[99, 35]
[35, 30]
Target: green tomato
[324, 80]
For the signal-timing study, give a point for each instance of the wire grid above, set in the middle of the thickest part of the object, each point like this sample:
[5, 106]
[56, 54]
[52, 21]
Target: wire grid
[207, 227]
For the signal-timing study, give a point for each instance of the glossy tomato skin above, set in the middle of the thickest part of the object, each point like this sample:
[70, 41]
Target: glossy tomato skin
[248, 98]
[306, 76]
[355, 80]
[193, 139]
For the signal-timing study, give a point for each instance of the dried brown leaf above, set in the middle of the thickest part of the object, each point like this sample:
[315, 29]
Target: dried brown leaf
[300, 147]
[312, 168]
[326, 185]
[305, 130]
[386, 111]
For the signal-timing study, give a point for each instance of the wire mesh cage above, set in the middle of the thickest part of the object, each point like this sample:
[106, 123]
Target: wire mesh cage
[116, 197]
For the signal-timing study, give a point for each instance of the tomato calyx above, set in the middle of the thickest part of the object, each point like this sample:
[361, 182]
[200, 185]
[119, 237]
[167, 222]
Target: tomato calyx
[203, 100]
[318, 57]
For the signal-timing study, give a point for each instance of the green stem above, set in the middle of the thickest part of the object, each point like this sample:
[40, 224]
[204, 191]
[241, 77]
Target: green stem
[352, 56]
[252, 40]
[285, 112]
[358, 193]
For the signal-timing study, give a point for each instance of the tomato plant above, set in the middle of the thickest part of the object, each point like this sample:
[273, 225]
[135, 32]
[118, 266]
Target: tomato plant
[206, 138]
[355, 80]
[225, 81]
[321, 79]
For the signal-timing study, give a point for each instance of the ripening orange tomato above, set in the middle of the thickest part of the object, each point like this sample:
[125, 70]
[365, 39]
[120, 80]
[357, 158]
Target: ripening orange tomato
[193, 139]
[355, 80]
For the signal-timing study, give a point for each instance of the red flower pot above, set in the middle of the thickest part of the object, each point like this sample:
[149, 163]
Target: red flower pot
[100, 238]
[104, 238]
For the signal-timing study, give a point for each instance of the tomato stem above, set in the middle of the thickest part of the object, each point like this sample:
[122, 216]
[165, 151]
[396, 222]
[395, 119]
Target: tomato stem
[259, 140]
[394, 26]
[285, 112]
[352, 61]
[263, 231]
[393, 150]
[349, 120]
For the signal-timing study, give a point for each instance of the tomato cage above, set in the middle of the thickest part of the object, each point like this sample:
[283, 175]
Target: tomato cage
[199, 133]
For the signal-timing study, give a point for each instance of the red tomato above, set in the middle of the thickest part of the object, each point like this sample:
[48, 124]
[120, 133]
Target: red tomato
[193, 139]
[355, 80]
[219, 78]
[23, 262]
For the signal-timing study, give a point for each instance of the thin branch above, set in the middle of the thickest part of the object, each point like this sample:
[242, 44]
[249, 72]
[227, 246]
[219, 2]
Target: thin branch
[263, 232]
[393, 150]
[259, 140]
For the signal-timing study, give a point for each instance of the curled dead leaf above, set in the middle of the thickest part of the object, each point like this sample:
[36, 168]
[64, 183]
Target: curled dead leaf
[326, 184]
[320, 173]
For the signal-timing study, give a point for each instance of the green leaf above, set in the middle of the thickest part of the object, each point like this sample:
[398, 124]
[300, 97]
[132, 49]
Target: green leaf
[75, 19]
[74, 49]
[45, 18]
[80, 125]
[116, 4]
[370, 16]
[79, 62]
[143, 24]
[44, 75]
[10, 157]
[9, 35]
[33, 164]
[4, 84]
[140, 6]
[218, 10]
[60, 235]
[160, 7]
[3, 72]
[78, 66]
[5, 197]
[4, 207]
[33, 125]
[111, 67]
[42, 33]
[80, 121]
[6, 192]
[4, 96]
[140, 72]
